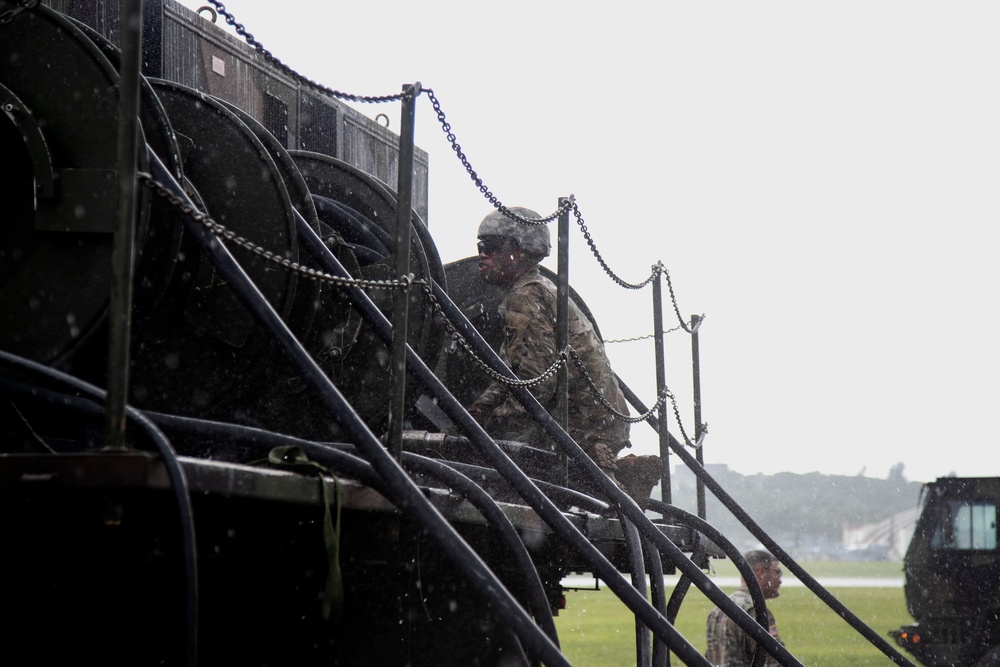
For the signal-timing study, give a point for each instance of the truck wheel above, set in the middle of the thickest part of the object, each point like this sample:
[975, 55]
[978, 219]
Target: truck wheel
[991, 658]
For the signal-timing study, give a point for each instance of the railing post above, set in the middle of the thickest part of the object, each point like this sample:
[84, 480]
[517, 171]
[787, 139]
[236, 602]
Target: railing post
[562, 329]
[123, 251]
[661, 384]
[401, 297]
[696, 375]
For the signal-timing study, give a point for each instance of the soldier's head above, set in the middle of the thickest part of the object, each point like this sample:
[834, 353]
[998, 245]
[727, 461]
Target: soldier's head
[767, 569]
[508, 249]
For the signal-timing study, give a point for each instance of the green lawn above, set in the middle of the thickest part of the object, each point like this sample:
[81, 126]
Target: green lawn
[596, 630]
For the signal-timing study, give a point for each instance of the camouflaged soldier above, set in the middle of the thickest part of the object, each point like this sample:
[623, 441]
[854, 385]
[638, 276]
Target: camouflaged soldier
[509, 253]
[728, 644]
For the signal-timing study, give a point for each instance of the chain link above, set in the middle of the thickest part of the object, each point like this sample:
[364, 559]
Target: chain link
[457, 338]
[673, 301]
[646, 337]
[483, 188]
[567, 204]
[660, 401]
[220, 231]
[600, 259]
[405, 283]
[10, 14]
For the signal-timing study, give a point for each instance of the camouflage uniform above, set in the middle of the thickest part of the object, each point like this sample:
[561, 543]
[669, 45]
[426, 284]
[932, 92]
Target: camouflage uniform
[529, 314]
[728, 644]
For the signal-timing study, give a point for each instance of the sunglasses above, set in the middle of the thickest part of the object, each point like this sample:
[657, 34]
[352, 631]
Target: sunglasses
[491, 245]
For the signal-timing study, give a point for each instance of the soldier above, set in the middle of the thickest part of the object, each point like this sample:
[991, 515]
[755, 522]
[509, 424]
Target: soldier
[509, 253]
[728, 644]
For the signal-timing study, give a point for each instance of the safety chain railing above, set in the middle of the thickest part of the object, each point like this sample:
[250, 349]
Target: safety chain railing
[225, 234]
[569, 203]
[457, 338]
[407, 282]
[660, 401]
[636, 339]
[483, 188]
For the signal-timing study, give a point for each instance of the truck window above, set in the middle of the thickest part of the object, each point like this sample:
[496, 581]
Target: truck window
[966, 525]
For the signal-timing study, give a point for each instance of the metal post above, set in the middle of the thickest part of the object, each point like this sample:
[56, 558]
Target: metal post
[696, 374]
[119, 319]
[661, 384]
[400, 298]
[562, 330]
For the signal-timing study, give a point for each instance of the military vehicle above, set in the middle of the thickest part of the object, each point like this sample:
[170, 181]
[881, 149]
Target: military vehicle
[215, 444]
[952, 572]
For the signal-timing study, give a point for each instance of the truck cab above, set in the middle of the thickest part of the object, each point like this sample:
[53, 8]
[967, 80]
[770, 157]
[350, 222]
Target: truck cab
[952, 576]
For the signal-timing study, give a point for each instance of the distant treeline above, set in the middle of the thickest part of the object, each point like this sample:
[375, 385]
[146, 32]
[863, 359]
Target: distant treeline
[804, 514]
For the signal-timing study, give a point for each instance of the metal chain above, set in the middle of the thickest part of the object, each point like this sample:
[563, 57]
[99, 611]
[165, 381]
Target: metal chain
[241, 30]
[643, 417]
[483, 188]
[604, 401]
[404, 283]
[600, 259]
[677, 418]
[673, 301]
[638, 338]
[249, 38]
[457, 338]
[9, 15]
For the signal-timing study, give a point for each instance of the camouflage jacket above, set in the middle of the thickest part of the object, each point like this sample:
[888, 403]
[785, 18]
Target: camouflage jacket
[528, 311]
[728, 644]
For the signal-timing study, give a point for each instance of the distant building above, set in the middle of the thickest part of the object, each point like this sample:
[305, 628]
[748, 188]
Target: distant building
[885, 540]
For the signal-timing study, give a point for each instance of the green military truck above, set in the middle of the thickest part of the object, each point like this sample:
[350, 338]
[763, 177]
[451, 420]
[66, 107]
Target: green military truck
[952, 570]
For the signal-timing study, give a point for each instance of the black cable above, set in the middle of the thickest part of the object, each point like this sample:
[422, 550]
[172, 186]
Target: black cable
[703, 528]
[399, 488]
[338, 457]
[178, 484]
[609, 488]
[654, 563]
[537, 600]
[768, 543]
[633, 545]
[532, 495]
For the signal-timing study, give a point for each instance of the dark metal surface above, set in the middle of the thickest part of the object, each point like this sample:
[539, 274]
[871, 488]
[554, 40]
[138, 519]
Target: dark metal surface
[53, 296]
[243, 189]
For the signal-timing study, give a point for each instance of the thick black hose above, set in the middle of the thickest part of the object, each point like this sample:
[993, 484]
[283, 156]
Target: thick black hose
[643, 655]
[178, 485]
[807, 579]
[557, 494]
[399, 488]
[661, 657]
[531, 494]
[611, 490]
[486, 506]
[707, 530]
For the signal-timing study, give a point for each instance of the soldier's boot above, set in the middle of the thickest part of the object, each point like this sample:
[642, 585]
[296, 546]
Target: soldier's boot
[638, 475]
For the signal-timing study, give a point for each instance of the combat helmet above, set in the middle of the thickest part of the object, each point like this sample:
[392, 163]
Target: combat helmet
[534, 239]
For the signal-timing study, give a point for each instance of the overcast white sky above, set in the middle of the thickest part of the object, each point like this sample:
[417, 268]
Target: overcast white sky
[820, 179]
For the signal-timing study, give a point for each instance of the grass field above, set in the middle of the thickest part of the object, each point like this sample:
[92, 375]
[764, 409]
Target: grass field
[597, 630]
